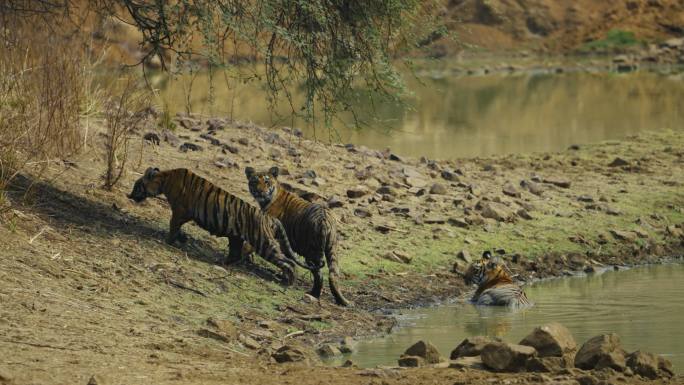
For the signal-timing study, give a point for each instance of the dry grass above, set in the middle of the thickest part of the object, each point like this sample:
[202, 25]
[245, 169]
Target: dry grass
[46, 88]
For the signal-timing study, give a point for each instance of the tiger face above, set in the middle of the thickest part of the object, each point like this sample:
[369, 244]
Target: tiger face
[484, 270]
[263, 185]
[149, 185]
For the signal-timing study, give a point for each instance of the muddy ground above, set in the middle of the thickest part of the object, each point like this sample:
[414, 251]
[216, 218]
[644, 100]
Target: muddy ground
[89, 288]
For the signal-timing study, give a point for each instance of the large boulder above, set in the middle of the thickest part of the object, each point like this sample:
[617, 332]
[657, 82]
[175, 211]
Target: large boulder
[505, 357]
[603, 351]
[471, 346]
[551, 340]
[424, 350]
[411, 361]
[289, 353]
[644, 364]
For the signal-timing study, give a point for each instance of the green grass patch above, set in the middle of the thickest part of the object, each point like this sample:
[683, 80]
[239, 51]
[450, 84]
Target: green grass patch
[614, 39]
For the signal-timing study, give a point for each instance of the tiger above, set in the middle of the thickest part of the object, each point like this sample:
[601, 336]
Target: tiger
[311, 228]
[193, 198]
[495, 286]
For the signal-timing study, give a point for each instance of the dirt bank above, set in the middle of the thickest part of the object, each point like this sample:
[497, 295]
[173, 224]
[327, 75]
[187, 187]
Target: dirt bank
[90, 288]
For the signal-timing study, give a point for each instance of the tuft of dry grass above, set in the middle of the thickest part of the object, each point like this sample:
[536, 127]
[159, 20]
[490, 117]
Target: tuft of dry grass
[45, 88]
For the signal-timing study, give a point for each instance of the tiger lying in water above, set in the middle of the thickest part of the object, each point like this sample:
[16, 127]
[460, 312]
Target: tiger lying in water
[495, 286]
[193, 198]
[311, 228]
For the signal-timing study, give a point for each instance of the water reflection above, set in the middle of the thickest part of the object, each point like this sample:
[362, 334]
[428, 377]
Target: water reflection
[642, 305]
[455, 117]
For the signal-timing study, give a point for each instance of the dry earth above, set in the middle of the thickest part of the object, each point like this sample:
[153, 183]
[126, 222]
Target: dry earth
[89, 288]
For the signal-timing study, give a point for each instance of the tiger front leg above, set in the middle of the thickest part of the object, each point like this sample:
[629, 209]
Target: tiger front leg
[175, 232]
[235, 246]
[286, 267]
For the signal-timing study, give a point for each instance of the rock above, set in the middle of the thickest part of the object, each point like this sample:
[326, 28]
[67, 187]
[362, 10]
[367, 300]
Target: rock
[674, 43]
[335, 202]
[552, 339]
[411, 361]
[206, 333]
[510, 190]
[501, 356]
[288, 353]
[357, 191]
[464, 255]
[397, 256]
[524, 214]
[416, 182]
[347, 345]
[665, 367]
[189, 124]
[243, 141]
[450, 176]
[618, 162]
[387, 190]
[458, 222]
[475, 190]
[362, 212]
[230, 148]
[395, 158]
[249, 342]
[496, 211]
[438, 189]
[533, 187]
[431, 220]
[274, 153]
[467, 362]
[644, 364]
[603, 351]
[545, 364]
[471, 346]
[424, 350]
[349, 364]
[624, 235]
[674, 231]
[152, 138]
[587, 379]
[225, 327]
[187, 146]
[328, 350]
[170, 138]
[558, 181]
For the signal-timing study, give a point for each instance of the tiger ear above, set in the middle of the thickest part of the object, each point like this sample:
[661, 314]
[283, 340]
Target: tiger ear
[150, 172]
[487, 255]
[249, 171]
[274, 171]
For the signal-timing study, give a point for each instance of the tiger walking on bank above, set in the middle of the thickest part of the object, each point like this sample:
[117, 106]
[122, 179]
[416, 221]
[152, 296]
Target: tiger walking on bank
[193, 198]
[495, 286]
[311, 228]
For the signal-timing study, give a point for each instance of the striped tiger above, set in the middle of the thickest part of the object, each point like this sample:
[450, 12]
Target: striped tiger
[193, 198]
[495, 286]
[311, 228]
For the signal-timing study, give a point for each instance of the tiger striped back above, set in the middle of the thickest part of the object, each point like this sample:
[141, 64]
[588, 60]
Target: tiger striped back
[311, 228]
[495, 286]
[193, 198]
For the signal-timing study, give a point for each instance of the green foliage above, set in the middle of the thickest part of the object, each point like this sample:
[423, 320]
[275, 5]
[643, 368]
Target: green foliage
[165, 120]
[615, 38]
[327, 47]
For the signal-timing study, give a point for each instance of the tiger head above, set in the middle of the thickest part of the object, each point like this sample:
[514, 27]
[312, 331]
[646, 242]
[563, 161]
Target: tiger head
[486, 270]
[263, 185]
[149, 185]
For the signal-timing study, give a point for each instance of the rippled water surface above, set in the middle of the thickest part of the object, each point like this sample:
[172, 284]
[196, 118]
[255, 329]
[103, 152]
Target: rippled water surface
[645, 306]
[453, 117]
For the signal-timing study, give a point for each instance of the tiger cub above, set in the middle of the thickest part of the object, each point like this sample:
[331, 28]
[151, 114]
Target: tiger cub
[311, 228]
[193, 198]
[495, 286]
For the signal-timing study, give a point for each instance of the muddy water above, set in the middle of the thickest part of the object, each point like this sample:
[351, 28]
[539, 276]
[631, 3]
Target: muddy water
[645, 306]
[452, 117]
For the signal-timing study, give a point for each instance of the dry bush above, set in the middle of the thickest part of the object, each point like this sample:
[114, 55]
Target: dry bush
[45, 88]
[123, 116]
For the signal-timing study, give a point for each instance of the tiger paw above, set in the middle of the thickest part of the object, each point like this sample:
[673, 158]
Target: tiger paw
[182, 238]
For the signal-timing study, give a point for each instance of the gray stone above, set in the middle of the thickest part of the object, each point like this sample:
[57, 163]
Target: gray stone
[357, 191]
[471, 346]
[510, 190]
[618, 162]
[458, 222]
[624, 235]
[450, 176]
[438, 189]
[558, 181]
[288, 353]
[187, 146]
[603, 351]
[533, 187]
[411, 361]
[551, 339]
[425, 350]
[496, 211]
[501, 356]
[335, 202]
[328, 350]
[362, 212]
[644, 364]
